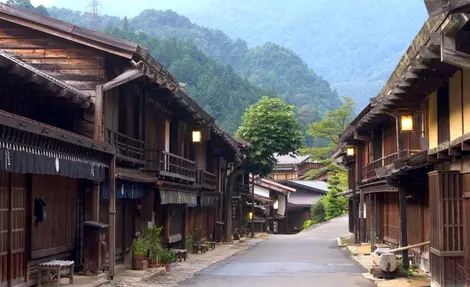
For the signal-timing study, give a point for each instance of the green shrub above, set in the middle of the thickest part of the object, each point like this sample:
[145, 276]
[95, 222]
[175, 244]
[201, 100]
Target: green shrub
[317, 212]
[307, 224]
[166, 256]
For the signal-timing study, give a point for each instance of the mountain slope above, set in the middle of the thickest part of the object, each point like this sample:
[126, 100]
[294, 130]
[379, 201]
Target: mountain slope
[269, 66]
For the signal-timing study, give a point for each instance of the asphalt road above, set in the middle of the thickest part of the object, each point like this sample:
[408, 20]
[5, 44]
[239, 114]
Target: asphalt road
[310, 258]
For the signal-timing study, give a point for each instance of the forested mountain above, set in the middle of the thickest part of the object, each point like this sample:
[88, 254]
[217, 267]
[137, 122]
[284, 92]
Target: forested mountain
[355, 45]
[270, 66]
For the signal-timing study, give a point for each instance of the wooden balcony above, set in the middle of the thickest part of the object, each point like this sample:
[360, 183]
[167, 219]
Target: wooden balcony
[375, 169]
[170, 165]
[128, 148]
[207, 180]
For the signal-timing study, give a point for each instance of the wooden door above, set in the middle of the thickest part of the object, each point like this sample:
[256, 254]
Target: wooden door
[12, 228]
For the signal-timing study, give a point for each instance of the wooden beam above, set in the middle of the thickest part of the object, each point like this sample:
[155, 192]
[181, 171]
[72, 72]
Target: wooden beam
[112, 218]
[455, 58]
[465, 146]
[453, 24]
[454, 151]
[361, 137]
[426, 54]
[443, 156]
[407, 76]
[437, 7]
[98, 133]
[123, 78]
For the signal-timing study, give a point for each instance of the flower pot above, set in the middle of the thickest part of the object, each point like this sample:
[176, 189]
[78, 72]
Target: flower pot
[138, 262]
[153, 263]
[167, 268]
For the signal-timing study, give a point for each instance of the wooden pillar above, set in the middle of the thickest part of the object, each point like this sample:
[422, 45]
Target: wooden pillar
[96, 202]
[404, 227]
[402, 196]
[99, 118]
[10, 229]
[373, 217]
[362, 229]
[112, 217]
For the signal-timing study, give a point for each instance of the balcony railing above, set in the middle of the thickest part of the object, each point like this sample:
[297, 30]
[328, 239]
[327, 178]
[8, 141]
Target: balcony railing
[127, 147]
[170, 165]
[207, 179]
[369, 170]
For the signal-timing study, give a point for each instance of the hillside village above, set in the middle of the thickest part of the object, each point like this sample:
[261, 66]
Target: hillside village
[116, 172]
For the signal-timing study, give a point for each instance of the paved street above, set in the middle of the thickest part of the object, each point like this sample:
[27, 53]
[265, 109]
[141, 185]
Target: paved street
[307, 259]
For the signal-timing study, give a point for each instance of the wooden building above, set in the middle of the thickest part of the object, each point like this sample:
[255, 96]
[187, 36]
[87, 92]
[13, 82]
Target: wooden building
[292, 167]
[299, 204]
[407, 153]
[85, 101]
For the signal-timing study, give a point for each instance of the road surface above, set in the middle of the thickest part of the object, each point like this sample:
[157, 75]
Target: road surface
[310, 258]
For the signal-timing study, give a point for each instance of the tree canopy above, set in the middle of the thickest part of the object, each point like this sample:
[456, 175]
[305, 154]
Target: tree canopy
[271, 127]
[333, 123]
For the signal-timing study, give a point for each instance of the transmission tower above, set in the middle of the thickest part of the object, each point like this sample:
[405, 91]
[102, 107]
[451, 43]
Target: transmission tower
[93, 13]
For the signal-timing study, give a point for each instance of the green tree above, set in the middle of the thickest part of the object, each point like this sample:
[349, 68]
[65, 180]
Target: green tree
[317, 212]
[333, 123]
[270, 126]
[334, 205]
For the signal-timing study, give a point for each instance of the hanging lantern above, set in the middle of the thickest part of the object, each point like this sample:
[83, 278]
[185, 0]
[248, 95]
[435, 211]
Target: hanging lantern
[197, 136]
[350, 151]
[406, 123]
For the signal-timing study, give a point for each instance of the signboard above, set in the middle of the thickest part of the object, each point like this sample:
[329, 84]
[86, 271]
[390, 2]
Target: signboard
[236, 208]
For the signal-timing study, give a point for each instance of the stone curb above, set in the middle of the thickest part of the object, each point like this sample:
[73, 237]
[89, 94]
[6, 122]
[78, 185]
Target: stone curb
[155, 273]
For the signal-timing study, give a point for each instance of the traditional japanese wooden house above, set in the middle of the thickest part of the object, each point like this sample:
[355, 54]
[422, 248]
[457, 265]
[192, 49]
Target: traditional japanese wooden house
[45, 168]
[169, 152]
[292, 167]
[407, 154]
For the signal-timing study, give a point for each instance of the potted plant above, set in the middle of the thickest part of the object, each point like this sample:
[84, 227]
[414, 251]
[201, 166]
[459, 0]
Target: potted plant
[139, 251]
[155, 245]
[166, 256]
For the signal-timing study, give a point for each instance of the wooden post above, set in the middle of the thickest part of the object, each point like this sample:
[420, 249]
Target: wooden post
[99, 103]
[402, 202]
[96, 202]
[373, 218]
[403, 227]
[10, 229]
[354, 199]
[361, 218]
[112, 217]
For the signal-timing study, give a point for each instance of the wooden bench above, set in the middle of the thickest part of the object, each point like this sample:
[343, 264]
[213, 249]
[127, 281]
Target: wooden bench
[55, 270]
[200, 246]
[181, 254]
[211, 244]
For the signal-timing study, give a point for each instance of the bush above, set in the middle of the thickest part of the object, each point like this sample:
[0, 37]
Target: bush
[307, 223]
[317, 212]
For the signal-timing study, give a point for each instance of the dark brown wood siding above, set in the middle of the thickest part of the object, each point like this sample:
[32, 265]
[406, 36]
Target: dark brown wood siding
[12, 204]
[391, 218]
[389, 138]
[443, 116]
[56, 234]
[78, 65]
[446, 210]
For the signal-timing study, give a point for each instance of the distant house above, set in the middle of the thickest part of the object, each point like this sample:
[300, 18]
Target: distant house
[299, 203]
[270, 201]
[292, 167]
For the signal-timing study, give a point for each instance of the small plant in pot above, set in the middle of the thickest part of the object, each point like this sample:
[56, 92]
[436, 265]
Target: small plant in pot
[139, 251]
[166, 256]
[155, 245]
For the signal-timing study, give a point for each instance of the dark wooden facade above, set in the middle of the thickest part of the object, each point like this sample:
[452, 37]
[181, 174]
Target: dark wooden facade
[412, 189]
[87, 99]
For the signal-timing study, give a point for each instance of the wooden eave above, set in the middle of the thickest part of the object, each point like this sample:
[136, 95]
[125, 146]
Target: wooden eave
[44, 80]
[34, 127]
[437, 7]
[418, 73]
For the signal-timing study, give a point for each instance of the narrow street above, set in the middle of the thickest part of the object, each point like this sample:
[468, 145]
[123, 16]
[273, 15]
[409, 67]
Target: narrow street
[310, 258]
